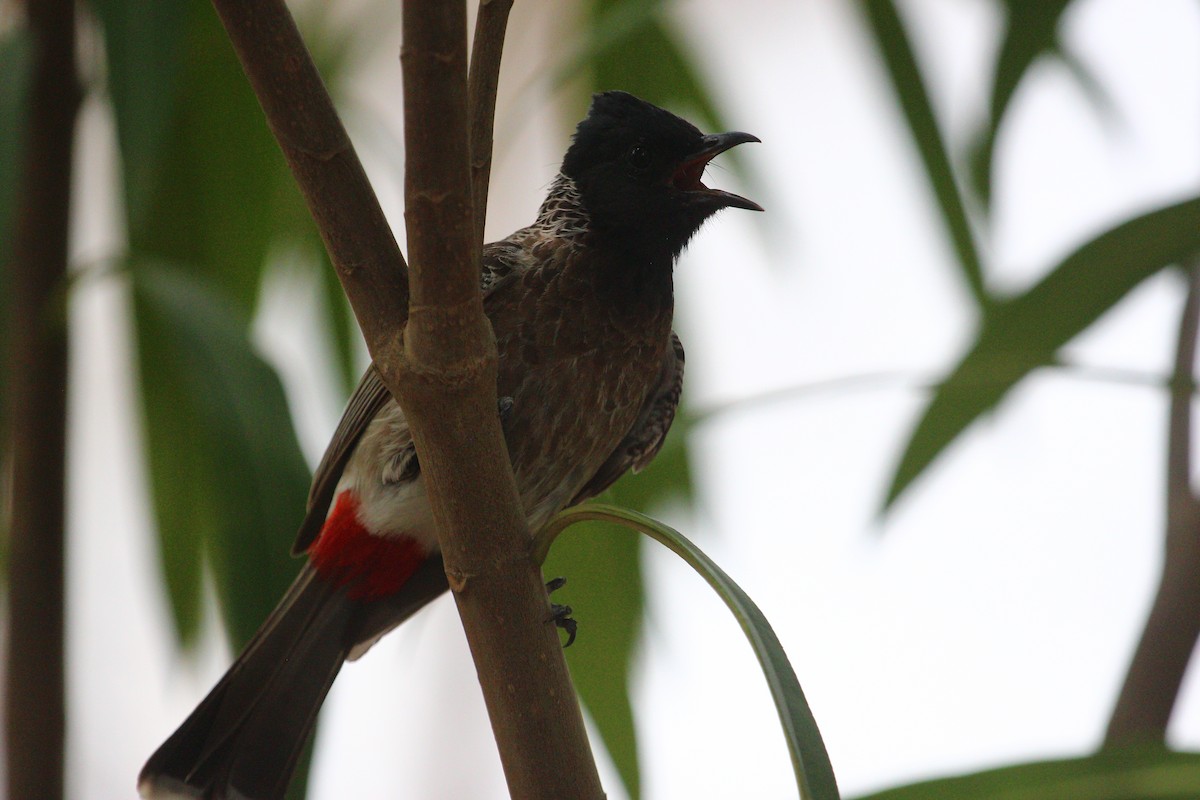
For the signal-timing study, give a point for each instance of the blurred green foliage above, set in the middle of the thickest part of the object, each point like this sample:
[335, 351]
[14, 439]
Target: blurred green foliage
[1142, 773]
[207, 198]
[1015, 334]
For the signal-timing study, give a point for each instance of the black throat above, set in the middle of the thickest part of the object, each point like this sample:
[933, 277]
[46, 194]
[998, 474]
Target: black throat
[630, 274]
[634, 276]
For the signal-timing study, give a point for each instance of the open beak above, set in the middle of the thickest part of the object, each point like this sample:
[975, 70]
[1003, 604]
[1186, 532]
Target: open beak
[688, 174]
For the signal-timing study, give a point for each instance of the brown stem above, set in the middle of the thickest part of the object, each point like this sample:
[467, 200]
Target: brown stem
[318, 151]
[447, 385]
[1156, 672]
[37, 363]
[482, 83]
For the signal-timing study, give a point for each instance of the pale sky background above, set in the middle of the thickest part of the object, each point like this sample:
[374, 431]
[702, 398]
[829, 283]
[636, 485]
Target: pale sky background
[988, 620]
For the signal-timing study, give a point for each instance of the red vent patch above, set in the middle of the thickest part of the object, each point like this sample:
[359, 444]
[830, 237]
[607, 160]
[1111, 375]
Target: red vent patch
[370, 566]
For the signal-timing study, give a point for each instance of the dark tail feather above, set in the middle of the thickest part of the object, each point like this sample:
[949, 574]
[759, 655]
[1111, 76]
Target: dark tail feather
[244, 739]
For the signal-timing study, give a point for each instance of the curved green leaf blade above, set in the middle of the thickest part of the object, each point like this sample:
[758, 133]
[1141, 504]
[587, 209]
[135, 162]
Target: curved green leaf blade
[1024, 333]
[229, 480]
[814, 773]
[1128, 774]
[605, 590]
[909, 87]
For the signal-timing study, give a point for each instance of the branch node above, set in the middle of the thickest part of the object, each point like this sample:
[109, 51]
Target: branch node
[446, 377]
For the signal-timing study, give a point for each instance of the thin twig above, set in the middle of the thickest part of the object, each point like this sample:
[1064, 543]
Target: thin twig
[915, 381]
[34, 707]
[482, 83]
[1144, 707]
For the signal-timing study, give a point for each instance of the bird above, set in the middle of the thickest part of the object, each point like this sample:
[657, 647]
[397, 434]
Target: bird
[590, 373]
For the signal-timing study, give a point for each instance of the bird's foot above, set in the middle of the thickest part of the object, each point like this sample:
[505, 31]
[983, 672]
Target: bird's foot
[560, 615]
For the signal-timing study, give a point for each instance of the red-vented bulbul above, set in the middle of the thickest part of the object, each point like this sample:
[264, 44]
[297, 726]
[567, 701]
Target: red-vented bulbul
[590, 372]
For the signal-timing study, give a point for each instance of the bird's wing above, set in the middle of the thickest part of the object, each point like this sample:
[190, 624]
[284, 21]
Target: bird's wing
[501, 260]
[646, 437]
[368, 400]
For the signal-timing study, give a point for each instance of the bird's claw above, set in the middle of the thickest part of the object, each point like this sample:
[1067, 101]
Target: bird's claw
[560, 615]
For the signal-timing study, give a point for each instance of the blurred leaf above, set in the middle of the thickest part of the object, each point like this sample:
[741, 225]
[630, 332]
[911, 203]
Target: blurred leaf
[144, 45]
[605, 591]
[1129, 774]
[293, 221]
[219, 173]
[1024, 332]
[341, 37]
[668, 478]
[15, 62]
[630, 47]
[1031, 32]
[210, 175]
[229, 480]
[1093, 90]
[814, 773]
[910, 91]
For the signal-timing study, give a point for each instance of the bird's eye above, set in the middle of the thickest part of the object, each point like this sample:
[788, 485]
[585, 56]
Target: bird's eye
[639, 158]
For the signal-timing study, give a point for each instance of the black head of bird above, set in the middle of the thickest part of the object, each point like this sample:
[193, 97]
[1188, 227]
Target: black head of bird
[638, 171]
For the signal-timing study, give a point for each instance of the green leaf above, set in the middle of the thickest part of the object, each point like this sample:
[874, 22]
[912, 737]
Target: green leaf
[1024, 332]
[667, 479]
[144, 46]
[814, 773]
[185, 503]
[604, 589]
[1150, 773]
[632, 48]
[1031, 32]
[228, 477]
[606, 592]
[219, 174]
[909, 87]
